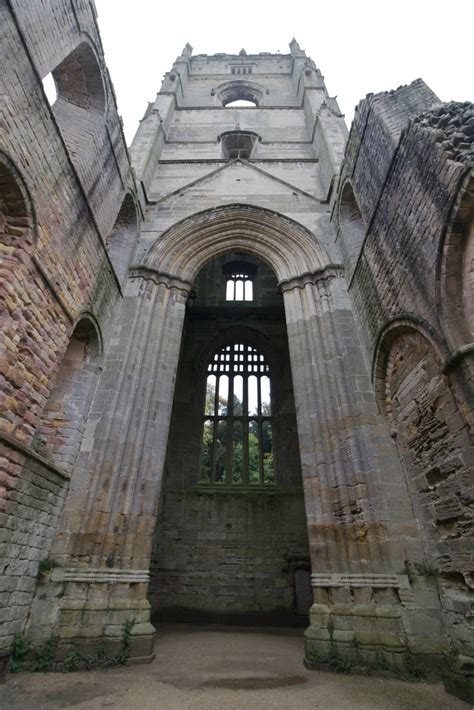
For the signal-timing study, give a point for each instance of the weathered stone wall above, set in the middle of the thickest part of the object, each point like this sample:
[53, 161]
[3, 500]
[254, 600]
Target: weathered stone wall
[384, 540]
[29, 512]
[406, 205]
[64, 172]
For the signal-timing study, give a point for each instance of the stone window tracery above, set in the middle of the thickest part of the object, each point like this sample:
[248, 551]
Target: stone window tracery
[237, 419]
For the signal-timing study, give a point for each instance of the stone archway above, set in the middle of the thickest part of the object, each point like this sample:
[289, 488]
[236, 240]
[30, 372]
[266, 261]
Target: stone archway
[360, 525]
[231, 539]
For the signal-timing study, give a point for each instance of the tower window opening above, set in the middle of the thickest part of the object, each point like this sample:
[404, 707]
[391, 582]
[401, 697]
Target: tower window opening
[239, 277]
[239, 287]
[241, 103]
[237, 419]
[238, 144]
[241, 69]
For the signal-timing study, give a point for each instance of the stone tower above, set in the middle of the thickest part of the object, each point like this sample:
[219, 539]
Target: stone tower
[237, 368]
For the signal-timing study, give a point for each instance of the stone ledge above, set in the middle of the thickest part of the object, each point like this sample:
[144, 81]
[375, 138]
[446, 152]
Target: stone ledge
[13, 443]
[397, 581]
[104, 575]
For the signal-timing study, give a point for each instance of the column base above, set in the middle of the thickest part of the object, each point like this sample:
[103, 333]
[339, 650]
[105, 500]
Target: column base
[460, 685]
[460, 681]
[93, 618]
[371, 638]
[104, 650]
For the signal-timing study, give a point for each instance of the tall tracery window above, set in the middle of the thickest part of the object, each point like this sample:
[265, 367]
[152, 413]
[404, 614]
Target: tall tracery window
[237, 421]
[239, 281]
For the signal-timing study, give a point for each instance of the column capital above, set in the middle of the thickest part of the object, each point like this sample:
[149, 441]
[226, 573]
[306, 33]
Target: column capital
[330, 271]
[171, 281]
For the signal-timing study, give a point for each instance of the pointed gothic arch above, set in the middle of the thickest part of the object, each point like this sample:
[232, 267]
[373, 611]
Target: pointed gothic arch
[289, 248]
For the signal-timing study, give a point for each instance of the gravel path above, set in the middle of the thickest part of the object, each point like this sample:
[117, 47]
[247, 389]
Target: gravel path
[198, 668]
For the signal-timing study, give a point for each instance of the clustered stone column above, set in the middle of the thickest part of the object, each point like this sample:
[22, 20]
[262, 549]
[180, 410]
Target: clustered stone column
[105, 534]
[360, 524]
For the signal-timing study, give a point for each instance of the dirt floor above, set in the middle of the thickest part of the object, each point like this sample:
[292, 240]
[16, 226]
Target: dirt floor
[199, 668]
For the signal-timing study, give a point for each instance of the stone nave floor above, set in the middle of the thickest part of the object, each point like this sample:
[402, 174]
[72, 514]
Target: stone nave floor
[211, 668]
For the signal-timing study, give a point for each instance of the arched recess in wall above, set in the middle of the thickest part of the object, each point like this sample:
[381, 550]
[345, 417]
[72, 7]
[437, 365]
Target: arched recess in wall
[240, 91]
[123, 237]
[16, 210]
[17, 233]
[455, 271]
[80, 105]
[63, 422]
[352, 227]
[431, 436]
[286, 246]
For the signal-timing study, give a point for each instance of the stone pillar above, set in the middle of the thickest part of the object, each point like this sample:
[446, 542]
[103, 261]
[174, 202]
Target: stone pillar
[361, 528]
[105, 535]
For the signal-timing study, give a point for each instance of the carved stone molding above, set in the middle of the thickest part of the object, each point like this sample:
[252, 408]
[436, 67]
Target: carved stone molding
[160, 278]
[100, 575]
[330, 271]
[397, 581]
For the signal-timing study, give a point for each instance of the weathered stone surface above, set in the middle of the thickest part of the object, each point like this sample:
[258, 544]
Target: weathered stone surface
[364, 264]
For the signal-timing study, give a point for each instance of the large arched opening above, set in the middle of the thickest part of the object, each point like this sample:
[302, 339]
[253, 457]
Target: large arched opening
[234, 547]
[231, 541]
[148, 473]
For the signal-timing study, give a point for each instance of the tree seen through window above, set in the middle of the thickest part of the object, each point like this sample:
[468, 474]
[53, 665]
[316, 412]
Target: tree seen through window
[237, 422]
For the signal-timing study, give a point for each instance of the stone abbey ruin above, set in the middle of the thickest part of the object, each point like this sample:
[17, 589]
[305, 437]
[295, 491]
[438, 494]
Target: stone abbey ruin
[237, 358]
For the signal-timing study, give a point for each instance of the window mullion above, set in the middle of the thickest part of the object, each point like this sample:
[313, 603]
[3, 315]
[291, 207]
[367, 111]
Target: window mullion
[214, 430]
[245, 426]
[214, 450]
[259, 429]
[239, 435]
[230, 425]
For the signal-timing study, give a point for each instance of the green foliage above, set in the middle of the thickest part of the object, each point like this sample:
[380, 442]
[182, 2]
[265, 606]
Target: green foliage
[76, 659]
[45, 568]
[18, 650]
[45, 655]
[336, 663]
[380, 665]
[420, 569]
[451, 658]
[123, 655]
[330, 627]
[72, 661]
[414, 669]
[43, 659]
[223, 437]
[426, 569]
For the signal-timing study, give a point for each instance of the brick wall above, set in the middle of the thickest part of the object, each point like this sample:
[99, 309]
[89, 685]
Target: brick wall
[62, 181]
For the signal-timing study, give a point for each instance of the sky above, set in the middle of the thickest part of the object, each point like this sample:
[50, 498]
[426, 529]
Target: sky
[361, 46]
